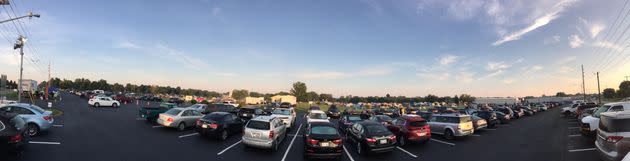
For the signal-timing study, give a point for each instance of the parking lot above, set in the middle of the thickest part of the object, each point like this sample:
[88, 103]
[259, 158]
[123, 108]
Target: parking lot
[88, 133]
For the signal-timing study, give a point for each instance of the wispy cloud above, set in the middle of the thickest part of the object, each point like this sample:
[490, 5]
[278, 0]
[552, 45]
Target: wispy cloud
[566, 60]
[594, 28]
[448, 59]
[181, 57]
[566, 69]
[539, 22]
[534, 68]
[321, 75]
[575, 41]
[464, 77]
[609, 45]
[551, 40]
[126, 45]
[434, 76]
[494, 66]
[509, 81]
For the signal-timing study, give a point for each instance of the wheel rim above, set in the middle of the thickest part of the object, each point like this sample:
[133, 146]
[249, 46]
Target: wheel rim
[96, 105]
[181, 127]
[32, 130]
[224, 135]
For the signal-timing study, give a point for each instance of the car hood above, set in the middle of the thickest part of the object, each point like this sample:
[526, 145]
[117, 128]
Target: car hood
[590, 119]
[280, 116]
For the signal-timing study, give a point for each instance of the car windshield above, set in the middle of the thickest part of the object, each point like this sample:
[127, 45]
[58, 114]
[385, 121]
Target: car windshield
[281, 112]
[333, 109]
[318, 116]
[354, 118]
[384, 118]
[173, 112]
[600, 110]
[247, 110]
[417, 123]
[214, 117]
[324, 130]
[259, 125]
[612, 125]
[376, 129]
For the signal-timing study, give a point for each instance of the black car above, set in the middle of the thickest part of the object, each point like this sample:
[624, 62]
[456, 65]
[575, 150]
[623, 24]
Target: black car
[518, 112]
[13, 136]
[369, 136]
[285, 105]
[383, 119]
[250, 112]
[346, 121]
[267, 110]
[219, 108]
[314, 108]
[322, 141]
[503, 118]
[506, 111]
[219, 125]
[333, 112]
[391, 112]
[489, 116]
[528, 111]
[175, 101]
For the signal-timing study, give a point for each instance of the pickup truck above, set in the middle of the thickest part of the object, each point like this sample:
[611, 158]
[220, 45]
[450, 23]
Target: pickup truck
[151, 114]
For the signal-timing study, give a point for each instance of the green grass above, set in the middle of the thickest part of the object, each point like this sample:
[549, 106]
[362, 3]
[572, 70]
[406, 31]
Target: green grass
[10, 95]
[57, 112]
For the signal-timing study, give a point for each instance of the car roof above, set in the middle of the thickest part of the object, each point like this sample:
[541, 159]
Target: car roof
[263, 118]
[182, 108]
[249, 107]
[450, 115]
[321, 124]
[367, 122]
[317, 111]
[412, 117]
[618, 103]
[7, 115]
[617, 115]
[220, 113]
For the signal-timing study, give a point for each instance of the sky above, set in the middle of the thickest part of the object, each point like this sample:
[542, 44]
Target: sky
[352, 47]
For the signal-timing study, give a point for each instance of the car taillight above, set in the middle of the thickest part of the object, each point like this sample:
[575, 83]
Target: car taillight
[47, 118]
[313, 141]
[271, 135]
[392, 138]
[15, 139]
[370, 140]
[169, 120]
[214, 126]
[338, 141]
[614, 139]
[198, 122]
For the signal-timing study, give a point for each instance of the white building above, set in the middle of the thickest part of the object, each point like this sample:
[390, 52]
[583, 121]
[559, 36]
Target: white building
[254, 100]
[496, 100]
[549, 99]
[29, 85]
[284, 98]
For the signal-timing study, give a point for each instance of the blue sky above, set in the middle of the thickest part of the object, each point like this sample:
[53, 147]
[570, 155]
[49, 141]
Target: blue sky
[358, 47]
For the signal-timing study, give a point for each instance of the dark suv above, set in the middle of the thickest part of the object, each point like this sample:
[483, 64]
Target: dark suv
[369, 136]
[247, 113]
[489, 116]
[13, 136]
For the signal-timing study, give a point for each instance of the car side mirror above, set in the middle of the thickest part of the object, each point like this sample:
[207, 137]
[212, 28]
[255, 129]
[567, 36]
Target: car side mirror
[329, 118]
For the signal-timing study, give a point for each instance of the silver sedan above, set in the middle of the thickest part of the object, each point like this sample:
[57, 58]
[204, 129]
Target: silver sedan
[180, 118]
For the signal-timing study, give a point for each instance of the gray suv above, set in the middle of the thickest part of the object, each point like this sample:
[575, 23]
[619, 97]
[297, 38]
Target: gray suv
[613, 135]
[451, 125]
[264, 132]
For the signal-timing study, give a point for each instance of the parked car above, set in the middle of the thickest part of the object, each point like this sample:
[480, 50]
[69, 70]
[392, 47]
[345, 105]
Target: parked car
[507, 111]
[580, 109]
[333, 112]
[613, 135]
[199, 107]
[180, 118]
[314, 108]
[391, 112]
[218, 107]
[528, 111]
[383, 119]
[175, 100]
[264, 132]
[451, 125]
[503, 118]
[219, 125]
[371, 137]
[285, 105]
[590, 123]
[13, 134]
[287, 115]
[37, 119]
[424, 114]
[103, 101]
[410, 128]
[249, 112]
[346, 121]
[479, 123]
[322, 141]
[518, 112]
[571, 110]
[231, 103]
[151, 113]
[316, 116]
[489, 116]
[123, 98]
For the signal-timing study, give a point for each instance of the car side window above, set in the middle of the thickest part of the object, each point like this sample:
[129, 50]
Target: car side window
[21, 110]
[433, 119]
[186, 113]
[616, 108]
[196, 113]
[400, 122]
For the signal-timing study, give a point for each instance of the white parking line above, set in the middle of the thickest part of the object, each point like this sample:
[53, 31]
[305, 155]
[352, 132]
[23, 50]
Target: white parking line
[579, 150]
[157, 126]
[43, 142]
[223, 151]
[347, 153]
[443, 142]
[57, 125]
[401, 149]
[187, 135]
[291, 144]
[575, 135]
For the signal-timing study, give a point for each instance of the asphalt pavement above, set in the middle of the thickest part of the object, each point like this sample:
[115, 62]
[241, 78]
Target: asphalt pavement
[106, 134]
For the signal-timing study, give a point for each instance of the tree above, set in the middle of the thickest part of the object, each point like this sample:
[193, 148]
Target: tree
[312, 96]
[326, 97]
[431, 98]
[387, 95]
[239, 94]
[609, 93]
[467, 98]
[299, 91]
[561, 94]
[256, 94]
[456, 99]
[624, 89]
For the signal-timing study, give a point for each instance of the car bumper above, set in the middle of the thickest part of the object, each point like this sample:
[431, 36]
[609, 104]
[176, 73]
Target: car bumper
[323, 153]
[608, 156]
[45, 125]
[419, 138]
[208, 131]
[382, 149]
[164, 123]
[258, 143]
[464, 132]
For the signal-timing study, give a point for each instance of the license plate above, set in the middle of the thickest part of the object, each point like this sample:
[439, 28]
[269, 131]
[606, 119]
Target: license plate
[325, 144]
[244, 114]
[204, 126]
[383, 141]
[255, 135]
[420, 134]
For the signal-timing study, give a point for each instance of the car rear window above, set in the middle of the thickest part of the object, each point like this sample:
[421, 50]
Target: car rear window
[458, 119]
[214, 117]
[417, 123]
[173, 112]
[318, 116]
[354, 118]
[376, 129]
[282, 112]
[324, 130]
[384, 118]
[37, 109]
[609, 124]
[259, 125]
[247, 110]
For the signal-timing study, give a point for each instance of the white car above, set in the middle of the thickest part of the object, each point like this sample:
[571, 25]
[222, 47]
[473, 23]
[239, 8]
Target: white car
[231, 103]
[199, 107]
[591, 123]
[287, 115]
[103, 101]
[317, 116]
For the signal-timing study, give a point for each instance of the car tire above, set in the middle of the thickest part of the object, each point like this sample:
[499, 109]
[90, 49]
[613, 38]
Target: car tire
[448, 135]
[181, 126]
[275, 146]
[401, 140]
[97, 104]
[224, 135]
[114, 105]
[32, 129]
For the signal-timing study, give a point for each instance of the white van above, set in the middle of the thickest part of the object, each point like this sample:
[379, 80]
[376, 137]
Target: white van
[590, 123]
[98, 91]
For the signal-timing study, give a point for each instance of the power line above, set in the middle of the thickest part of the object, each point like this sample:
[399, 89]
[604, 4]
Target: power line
[608, 55]
[23, 32]
[608, 32]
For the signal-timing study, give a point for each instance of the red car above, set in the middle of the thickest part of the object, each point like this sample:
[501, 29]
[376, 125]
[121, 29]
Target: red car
[412, 128]
[122, 98]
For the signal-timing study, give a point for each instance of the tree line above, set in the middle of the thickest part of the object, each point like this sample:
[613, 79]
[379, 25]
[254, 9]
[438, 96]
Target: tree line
[623, 92]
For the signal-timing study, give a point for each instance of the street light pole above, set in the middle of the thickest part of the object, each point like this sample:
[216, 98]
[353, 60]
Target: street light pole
[20, 44]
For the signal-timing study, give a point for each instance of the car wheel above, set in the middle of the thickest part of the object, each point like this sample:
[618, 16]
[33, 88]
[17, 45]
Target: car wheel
[359, 148]
[401, 140]
[448, 135]
[181, 126]
[114, 105]
[224, 135]
[275, 146]
[32, 129]
[96, 104]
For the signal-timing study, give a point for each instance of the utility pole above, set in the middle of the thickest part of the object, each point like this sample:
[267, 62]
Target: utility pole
[48, 83]
[583, 85]
[20, 44]
[599, 92]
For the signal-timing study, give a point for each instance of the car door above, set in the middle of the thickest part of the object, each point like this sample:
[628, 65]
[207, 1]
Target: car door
[433, 124]
[184, 117]
[195, 115]
[25, 114]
